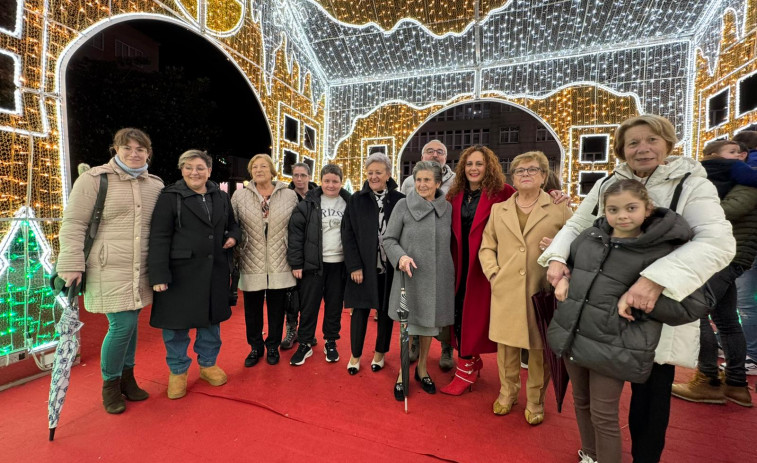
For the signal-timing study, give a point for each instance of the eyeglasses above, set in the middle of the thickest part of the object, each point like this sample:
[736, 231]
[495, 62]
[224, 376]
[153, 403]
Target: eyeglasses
[129, 149]
[520, 172]
[438, 152]
[300, 175]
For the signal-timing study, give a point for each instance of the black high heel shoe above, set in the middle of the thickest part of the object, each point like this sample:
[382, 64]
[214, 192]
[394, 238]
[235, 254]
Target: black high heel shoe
[426, 382]
[399, 391]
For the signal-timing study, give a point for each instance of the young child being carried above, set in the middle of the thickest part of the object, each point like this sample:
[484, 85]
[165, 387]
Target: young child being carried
[724, 162]
[603, 341]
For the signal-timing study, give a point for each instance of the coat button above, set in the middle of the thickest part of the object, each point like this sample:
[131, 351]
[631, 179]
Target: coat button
[210, 256]
[522, 272]
[571, 358]
[210, 237]
[522, 249]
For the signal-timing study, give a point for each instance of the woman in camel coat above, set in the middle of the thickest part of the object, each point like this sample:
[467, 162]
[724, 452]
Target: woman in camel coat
[508, 254]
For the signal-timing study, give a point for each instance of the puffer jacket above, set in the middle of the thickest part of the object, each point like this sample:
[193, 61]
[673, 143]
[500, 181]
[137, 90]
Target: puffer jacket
[587, 329]
[685, 269]
[305, 250]
[116, 270]
[261, 256]
[740, 207]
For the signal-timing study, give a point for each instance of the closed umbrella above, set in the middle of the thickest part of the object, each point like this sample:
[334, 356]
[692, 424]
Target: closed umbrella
[545, 305]
[402, 314]
[65, 354]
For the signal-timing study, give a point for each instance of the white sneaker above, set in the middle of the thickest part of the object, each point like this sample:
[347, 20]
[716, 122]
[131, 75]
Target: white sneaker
[585, 458]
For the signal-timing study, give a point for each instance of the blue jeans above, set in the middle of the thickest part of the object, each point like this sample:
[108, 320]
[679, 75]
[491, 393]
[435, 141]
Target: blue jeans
[207, 345]
[120, 344]
[746, 285]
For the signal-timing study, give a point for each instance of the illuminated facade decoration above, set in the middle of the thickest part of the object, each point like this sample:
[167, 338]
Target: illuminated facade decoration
[356, 75]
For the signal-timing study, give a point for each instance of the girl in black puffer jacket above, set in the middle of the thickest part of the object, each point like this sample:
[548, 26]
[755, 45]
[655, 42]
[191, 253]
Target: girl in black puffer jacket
[603, 341]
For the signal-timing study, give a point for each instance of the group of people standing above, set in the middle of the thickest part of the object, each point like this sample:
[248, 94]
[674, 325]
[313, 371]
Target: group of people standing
[468, 250]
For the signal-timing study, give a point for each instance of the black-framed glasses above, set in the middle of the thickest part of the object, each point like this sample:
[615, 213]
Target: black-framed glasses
[521, 171]
[438, 152]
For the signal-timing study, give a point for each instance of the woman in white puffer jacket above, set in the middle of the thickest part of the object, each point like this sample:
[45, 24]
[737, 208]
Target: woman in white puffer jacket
[680, 183]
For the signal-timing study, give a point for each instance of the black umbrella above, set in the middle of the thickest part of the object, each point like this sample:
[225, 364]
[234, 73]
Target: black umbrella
[65, 354]
[402, 314]
[234, 275]
[545, 305]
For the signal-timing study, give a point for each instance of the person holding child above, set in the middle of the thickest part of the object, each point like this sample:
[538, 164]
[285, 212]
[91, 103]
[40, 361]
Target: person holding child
[603, 340]
[644, 144]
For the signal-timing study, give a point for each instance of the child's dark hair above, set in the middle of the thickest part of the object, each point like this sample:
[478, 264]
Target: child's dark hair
[713, 148]
[635, 187]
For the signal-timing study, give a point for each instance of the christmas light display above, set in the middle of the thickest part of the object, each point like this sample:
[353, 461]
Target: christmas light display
[357, 75]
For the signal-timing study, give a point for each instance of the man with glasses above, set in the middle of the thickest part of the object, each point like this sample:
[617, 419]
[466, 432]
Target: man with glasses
[301, 184]
[434, 151]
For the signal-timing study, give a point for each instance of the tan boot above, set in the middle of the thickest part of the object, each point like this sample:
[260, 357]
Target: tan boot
[177, 385]
[738, 395]
[700, 389]
[213, 375]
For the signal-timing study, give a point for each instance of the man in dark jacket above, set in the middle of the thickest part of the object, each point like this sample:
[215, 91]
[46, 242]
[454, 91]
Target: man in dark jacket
[301, 184]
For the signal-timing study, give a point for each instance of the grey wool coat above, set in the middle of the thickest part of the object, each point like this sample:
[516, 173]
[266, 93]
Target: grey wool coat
[421, 229]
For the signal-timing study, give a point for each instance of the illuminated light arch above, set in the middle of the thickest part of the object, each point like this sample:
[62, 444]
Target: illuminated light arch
[68, 52]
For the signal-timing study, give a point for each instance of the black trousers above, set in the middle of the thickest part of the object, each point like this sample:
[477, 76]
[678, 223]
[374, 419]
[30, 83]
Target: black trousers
[359, 322]
[293, 305]
[329, 286]
[253, 316]
[649, 414]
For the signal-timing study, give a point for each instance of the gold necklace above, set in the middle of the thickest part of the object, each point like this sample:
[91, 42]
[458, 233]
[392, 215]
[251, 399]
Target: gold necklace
[525, 207]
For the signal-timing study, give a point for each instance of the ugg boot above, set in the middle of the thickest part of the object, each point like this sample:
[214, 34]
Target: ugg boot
[177, 385]
[130, 388]
[213, 375]
[701, 389]
[113, 401]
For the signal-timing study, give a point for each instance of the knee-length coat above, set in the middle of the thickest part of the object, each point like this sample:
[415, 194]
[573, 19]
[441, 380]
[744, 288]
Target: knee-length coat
[508, 259]
[186, 252]
[360, 241]
[421, 229]
[474, 331]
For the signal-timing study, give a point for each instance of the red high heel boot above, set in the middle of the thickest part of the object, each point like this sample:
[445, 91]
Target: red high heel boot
[465, 376]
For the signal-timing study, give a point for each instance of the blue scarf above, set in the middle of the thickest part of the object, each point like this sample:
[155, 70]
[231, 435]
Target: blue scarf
[133, 172]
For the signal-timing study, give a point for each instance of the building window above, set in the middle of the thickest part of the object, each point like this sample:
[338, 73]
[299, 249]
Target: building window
[291, 130]
[124, 50]
[594, 148]
[747, 94]
[289, 159]
[586, 181]
[309, 141]
[310, 163]
[7, 85]
[377, 149]
[542, 134]
[717, 109]
[98, 41]
[509, 134]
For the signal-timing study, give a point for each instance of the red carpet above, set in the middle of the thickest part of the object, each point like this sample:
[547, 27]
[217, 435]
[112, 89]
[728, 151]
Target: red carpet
[319, 412]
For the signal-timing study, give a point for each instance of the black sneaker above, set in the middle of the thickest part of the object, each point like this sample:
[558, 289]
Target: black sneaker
[290, 338]
[303, 352]
[331, 353]
[273, 356]
[252, 358]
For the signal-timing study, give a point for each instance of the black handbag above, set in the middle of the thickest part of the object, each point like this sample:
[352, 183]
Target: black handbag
[58, 284]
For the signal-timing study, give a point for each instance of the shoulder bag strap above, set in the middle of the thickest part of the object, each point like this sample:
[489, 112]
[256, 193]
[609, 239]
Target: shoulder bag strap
[677, 193]
[97, 213]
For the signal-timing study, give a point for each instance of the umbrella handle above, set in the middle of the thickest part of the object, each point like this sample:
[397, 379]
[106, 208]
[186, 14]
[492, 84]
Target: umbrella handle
[73, 292]
[51, 436]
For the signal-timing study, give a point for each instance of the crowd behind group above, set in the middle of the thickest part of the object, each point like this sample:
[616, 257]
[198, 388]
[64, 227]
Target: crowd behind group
[640, 267]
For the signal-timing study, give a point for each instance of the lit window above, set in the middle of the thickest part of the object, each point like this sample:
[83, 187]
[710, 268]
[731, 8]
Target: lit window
[291, 129]
[594, 148]
[717, 109]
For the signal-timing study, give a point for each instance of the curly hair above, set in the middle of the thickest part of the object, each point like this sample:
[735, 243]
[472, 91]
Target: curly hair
[494, 178]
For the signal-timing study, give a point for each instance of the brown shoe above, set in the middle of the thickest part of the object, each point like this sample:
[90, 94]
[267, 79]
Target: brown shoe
[700, 389]
[113, 401]
[738, 395]
[213, 375]
[177, 385]
[130, 388]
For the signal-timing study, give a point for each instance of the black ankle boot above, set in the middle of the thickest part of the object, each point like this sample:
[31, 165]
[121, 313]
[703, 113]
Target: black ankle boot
[130, 388]
[113, 401]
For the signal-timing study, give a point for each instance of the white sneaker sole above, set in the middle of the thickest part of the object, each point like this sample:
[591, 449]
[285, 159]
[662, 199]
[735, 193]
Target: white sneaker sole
[327, 359]
[308, 355]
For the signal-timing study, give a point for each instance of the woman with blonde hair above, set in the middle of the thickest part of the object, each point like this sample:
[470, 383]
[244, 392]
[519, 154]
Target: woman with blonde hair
[263, 209]
[509, 251]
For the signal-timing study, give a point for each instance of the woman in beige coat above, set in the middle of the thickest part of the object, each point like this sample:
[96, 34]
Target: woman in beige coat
[508, 253]
[117, 283]
[262, 210]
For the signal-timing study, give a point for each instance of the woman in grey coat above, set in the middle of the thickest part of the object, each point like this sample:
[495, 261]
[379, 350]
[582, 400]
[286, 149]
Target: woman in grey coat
[417, 242]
